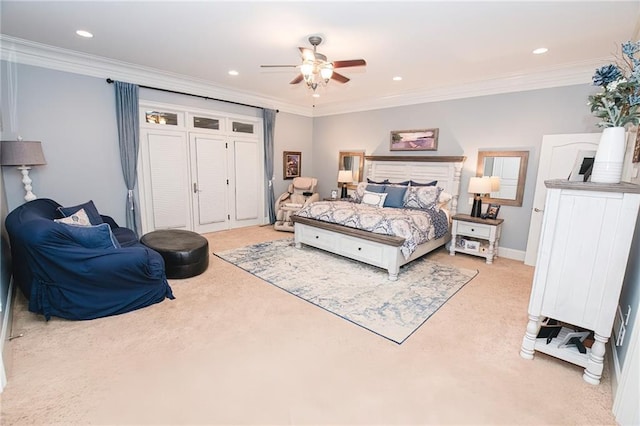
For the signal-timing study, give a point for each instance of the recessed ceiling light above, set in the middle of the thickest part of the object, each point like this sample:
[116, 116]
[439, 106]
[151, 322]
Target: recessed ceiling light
[397, 78]
[540, 50]
[316, 95]
[83, 33]
[233, 72]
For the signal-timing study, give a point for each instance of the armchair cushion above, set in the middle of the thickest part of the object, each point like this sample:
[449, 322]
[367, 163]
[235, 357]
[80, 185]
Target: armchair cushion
[98, 237]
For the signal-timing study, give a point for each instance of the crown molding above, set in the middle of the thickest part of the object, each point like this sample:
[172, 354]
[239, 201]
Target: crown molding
[571, 74]
[32, 53]
[26, 52]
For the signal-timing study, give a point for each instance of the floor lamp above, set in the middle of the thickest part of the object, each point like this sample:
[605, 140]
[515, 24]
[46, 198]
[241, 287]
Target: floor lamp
[478, 186]
[24, 155]
[344, 177]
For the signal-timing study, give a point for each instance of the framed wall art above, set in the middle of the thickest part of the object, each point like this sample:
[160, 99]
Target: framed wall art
[291, 164]
[414, 140]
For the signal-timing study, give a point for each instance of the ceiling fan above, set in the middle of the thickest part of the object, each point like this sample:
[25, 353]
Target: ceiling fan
[315, 69]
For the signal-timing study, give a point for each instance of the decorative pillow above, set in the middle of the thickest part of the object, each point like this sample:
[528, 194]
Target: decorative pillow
[422, 197]
[403, 183]
[78, 218]
[359, 192]
[395, 196]
[432, 183]
[375, 188]
[89, 208]
[379, 183]
[443, 199]
[92, 237]
[374, 198]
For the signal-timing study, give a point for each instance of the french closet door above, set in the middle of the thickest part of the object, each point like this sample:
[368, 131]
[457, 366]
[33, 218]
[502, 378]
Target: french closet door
[226, 184]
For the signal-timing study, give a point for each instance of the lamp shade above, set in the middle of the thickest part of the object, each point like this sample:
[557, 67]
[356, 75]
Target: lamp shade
[480, 185]
[495, 183]
[345, 176]
[21, 153]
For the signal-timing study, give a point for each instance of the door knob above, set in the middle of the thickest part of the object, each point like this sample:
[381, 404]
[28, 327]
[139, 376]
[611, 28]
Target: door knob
[537, 210]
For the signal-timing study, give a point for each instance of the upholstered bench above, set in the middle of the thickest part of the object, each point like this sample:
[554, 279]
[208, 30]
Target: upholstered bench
[185, 253]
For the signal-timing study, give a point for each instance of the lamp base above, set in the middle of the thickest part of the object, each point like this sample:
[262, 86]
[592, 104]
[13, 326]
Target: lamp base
[343, 194]
[476, 210]
[26, 181]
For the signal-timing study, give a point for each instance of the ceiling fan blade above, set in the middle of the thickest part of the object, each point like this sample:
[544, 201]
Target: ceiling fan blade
[349, 63]
[278, 66]
[307, 54]
[339, 77]
[297, 80]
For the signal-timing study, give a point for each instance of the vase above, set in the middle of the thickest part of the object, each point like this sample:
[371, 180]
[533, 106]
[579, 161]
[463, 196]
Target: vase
[607, 166]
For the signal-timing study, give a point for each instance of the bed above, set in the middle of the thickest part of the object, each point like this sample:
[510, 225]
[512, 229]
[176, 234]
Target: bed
[384, 251]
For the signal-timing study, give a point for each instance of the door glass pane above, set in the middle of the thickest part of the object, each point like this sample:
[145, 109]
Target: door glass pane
[165, 118]
[206, 123]
[242, 127]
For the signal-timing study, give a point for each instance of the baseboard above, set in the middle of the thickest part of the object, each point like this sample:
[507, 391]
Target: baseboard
[5, 333]
[511, 254]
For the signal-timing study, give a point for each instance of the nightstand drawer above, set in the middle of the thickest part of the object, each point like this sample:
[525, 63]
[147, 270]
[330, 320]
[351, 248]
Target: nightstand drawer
[473, 230]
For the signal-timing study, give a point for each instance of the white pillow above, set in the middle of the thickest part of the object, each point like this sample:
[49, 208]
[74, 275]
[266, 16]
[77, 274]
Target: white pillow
[374, 198]
[79, 218]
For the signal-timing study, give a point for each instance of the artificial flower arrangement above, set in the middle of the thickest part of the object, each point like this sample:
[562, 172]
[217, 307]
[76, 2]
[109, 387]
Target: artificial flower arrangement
[619, 102]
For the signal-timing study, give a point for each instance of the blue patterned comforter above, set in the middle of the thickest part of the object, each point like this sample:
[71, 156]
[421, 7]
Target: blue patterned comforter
[415, 226]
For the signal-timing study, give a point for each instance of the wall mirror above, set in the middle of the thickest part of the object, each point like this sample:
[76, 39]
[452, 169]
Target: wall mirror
[511, 167]
[354, 161]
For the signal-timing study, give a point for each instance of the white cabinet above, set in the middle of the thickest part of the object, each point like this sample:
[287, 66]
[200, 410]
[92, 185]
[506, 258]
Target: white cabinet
[587, 230]
[198, 171]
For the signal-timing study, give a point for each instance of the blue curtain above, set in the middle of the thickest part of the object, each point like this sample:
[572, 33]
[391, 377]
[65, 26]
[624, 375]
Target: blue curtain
[129, 139]
[269, 123]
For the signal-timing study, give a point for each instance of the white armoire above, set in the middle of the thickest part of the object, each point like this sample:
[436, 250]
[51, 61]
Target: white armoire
[587, 230]
[199, 170]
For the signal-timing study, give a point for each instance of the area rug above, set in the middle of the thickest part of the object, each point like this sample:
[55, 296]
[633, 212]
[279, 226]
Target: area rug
[355, 291]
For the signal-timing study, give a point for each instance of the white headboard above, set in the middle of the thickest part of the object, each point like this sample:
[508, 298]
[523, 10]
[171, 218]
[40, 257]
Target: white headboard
[446, 170]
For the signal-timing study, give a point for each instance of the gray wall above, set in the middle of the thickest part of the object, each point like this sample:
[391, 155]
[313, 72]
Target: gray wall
[74, 117]
[515, 121]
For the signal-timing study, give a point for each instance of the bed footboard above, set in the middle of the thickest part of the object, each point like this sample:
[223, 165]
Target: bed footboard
[378, 250]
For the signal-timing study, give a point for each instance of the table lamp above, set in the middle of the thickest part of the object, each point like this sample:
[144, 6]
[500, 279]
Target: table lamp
[23, 154]
[478, 186]
[344, 177]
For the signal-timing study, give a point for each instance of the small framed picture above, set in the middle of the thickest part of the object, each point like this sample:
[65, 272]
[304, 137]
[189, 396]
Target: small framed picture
[583, 165]
[492, 211]
[291, 164]
[472, 245]
[334, 194]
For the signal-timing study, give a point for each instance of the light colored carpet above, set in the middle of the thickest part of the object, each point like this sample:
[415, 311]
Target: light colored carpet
[355, 291]
[232, 350]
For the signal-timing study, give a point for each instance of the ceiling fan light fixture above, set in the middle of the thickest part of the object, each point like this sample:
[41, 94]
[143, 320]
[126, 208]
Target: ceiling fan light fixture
[326, 72]
[307, 69]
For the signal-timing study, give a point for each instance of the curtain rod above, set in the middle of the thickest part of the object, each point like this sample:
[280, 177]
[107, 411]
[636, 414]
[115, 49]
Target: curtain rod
[110, 81]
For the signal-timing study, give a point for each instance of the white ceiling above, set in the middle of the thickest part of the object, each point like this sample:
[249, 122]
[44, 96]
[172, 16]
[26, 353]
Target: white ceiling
[441, 49]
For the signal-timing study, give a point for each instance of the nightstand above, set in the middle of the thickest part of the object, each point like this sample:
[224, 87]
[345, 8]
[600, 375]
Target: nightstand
[475, 236]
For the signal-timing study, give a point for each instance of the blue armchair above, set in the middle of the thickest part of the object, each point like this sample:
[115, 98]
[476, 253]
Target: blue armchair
[63, 276]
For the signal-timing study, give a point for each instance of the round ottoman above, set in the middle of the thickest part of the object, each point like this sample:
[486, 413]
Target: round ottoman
[185, 253]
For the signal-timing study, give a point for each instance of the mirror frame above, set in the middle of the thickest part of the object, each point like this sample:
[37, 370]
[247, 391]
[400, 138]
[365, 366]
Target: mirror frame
[360, 154]
[522, 175]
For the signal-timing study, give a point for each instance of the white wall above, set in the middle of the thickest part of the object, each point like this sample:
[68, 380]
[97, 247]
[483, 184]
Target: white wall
[515, 121]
